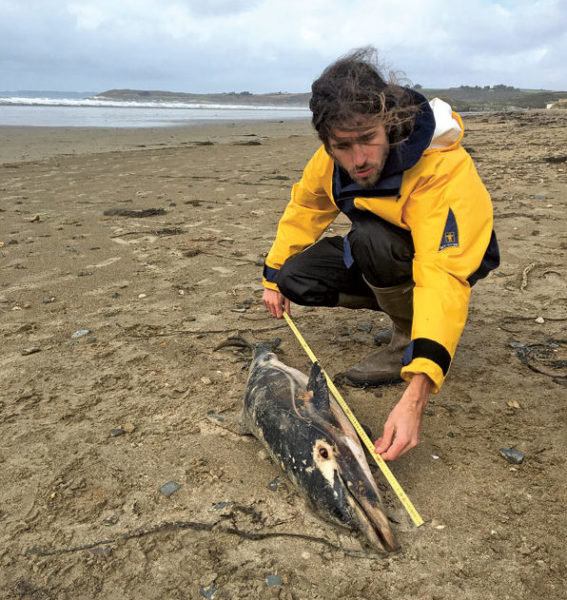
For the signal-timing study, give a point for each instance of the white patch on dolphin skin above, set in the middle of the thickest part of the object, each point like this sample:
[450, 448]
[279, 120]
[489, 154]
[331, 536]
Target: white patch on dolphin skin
[324, 459]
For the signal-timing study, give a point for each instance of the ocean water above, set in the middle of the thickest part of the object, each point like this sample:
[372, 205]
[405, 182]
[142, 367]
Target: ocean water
[86, 112]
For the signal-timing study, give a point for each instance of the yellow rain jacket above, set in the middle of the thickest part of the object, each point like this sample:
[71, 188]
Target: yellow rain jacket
[430, 187]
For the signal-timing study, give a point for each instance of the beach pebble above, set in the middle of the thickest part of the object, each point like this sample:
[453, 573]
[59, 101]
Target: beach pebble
[169, 488]
[273, 485]
[364, 327]
[80, 333]
[32, 350]
[117, 432]
[48, 299]
[383, 337]
[84, 273]
[437, 525]
[540, 320]
[514, 457]
[111, 520]
[207, 592]
[206, 380]
[35, 219]
[272, 580]
[220, 505]
[142, 296]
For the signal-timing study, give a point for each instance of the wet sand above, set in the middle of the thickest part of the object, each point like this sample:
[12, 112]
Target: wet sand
[19, 144]
[107, 373]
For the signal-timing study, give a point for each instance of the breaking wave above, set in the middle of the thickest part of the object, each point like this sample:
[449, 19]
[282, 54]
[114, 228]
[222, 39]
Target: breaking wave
[100, 102]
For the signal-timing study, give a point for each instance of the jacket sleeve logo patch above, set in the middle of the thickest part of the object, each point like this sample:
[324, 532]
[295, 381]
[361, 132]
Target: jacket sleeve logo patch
[450, 236]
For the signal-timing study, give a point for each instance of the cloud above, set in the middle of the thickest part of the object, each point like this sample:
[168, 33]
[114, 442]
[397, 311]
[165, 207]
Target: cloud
[87, 17]
[271, 45]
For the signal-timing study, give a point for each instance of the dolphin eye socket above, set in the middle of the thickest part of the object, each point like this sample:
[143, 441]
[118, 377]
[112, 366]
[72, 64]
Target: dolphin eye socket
[324, 453]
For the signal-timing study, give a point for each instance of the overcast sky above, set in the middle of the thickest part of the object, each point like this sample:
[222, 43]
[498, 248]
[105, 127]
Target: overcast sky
[276, 45]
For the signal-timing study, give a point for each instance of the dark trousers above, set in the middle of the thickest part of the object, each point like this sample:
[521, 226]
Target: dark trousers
[380, 251]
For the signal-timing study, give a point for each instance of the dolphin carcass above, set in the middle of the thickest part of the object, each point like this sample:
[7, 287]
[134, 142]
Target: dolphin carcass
[309, 437]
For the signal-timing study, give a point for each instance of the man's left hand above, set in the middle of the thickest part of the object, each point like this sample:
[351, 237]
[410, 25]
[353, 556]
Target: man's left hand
[403, 426]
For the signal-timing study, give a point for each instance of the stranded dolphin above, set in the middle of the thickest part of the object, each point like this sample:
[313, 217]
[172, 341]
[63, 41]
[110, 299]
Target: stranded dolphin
[309, 437]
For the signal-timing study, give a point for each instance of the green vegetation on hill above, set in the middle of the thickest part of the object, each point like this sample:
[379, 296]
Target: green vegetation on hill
[463, 98]
[239, 98]
[497, 97]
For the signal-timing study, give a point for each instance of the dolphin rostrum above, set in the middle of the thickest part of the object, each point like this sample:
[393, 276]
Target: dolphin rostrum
[310, 438]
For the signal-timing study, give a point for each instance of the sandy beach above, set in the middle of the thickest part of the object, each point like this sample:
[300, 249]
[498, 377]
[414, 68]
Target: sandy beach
[126, 256]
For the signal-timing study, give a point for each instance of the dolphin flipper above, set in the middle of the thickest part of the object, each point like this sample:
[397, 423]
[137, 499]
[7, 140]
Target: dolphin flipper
[231, 423]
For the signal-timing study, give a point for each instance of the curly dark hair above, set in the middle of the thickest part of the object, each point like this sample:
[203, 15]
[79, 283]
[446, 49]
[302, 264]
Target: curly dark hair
[352, 87]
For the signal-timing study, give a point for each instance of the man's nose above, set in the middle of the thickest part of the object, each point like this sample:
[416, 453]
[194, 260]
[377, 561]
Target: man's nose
[358, 155]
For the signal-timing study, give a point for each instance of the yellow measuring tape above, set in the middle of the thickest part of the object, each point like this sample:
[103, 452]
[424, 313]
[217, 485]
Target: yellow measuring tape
[417, 520]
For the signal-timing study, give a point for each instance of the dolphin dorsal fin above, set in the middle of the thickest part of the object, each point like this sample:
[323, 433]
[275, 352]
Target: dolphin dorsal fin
[318, 385]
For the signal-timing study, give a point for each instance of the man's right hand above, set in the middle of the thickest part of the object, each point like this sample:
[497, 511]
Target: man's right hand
[276, 303]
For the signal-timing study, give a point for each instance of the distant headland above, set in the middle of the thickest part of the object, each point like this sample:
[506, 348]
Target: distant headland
[235, 98]
[463, 98]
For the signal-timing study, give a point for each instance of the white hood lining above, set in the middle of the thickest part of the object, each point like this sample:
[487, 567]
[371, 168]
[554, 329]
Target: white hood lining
[447, 128]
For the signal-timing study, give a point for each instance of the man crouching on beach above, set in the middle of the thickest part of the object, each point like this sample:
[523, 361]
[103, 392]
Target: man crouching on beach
[421, 232]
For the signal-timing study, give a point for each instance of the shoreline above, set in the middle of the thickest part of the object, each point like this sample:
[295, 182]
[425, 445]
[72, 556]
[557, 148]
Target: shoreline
[28, 143]
[25, 143]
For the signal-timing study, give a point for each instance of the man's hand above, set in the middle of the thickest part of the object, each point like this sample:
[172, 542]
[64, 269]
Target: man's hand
[276, 303]
[401, 430]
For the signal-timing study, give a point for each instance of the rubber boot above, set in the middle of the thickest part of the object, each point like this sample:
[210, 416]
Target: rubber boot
[352, 301]
[385, 365]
